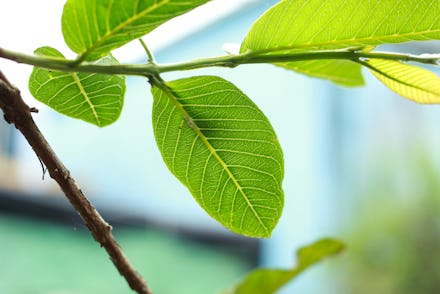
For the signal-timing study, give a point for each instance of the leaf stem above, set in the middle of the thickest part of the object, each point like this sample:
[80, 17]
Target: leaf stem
[151, 69]
[147, 50]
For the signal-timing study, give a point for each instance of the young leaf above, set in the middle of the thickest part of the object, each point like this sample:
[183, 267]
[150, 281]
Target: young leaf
[412, 82]
[303, 25]
[218, 143]
[92, 28]
[268, 281]
[94, 98]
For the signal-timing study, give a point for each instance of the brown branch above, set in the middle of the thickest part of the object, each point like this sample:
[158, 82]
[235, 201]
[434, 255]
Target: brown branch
[17, 112]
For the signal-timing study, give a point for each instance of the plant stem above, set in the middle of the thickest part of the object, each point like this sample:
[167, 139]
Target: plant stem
[17, 112]
[147, 51]
[150, 69]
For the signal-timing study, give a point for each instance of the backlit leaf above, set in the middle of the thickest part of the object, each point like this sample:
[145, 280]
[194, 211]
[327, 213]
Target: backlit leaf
[412, 82]
[303, 25]
[94, 98]
[322, 24]
[218, 143]
[268, 281]
[93, 28]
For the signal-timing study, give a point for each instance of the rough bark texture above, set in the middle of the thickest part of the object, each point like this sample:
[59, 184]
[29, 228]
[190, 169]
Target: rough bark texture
[18, 113]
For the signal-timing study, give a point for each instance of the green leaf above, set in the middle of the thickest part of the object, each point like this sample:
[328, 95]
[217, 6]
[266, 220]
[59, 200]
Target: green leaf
[218, 143]
[323, 24]
[412, 82]
[92, 28]
[94, 98]
[303, 25]
[268, 281]
[342, 72]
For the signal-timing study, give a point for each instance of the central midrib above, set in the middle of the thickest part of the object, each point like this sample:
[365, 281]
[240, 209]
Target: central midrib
[342, 41]
[86, 97]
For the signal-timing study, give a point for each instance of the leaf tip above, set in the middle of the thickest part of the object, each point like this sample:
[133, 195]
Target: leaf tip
[319, 250]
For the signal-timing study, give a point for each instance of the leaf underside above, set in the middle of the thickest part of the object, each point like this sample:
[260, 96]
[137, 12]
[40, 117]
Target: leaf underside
[218, 143]
[342, 72]
[93, 28]
[412, 82]
[268, 281]
[304, 25]
[94, 98]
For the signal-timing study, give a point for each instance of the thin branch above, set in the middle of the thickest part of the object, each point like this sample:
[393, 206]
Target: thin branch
[17, 112]
[71, 66]
[151, 69]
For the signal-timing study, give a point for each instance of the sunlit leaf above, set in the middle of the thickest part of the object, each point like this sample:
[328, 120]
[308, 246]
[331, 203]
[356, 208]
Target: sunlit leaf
[322, 24]
[268, 281]
[303, 25]
[412, 82]
[218, 143]
[93, 28]
[94, 98]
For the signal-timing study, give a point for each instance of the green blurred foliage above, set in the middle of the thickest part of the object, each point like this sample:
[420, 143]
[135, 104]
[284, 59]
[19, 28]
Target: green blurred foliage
[394, 238]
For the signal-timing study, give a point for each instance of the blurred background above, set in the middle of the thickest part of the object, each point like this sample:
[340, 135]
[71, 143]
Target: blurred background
[361, 165]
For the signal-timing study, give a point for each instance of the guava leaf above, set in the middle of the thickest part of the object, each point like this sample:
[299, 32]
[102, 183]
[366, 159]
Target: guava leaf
[342, 72]
[220, 145]
[94, 98]
[412, 82]
[268, 281]
[92, 28]
[304, 25]
[322, 24]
